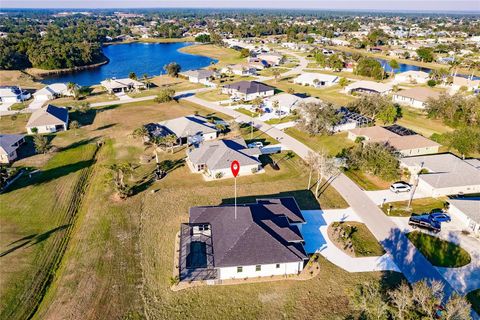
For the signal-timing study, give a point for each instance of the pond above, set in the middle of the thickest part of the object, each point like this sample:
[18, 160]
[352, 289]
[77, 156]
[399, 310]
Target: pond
[141, 58]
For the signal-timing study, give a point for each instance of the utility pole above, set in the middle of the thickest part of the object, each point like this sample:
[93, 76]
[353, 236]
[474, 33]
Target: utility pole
[417, 178]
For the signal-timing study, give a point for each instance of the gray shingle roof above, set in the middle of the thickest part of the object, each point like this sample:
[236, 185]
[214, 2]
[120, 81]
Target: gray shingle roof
[7, 141]
[445, 170]
[188, 126]
[257, 235]
[200, 73]
[219, 155]
[49, 115]
[471, 208]
[248, 87]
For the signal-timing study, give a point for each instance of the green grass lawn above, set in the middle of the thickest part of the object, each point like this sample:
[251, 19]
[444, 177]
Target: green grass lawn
[418, 122]
[363, 241]
[367, 181]
[474, 298]
[332, 144]
[439, 252]
[418, 206]
[212, 95]
[223, 55]
[248, 112]
[282, 120]
[268, 72]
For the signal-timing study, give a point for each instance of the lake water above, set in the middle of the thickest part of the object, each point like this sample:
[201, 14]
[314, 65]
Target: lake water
[140, 58]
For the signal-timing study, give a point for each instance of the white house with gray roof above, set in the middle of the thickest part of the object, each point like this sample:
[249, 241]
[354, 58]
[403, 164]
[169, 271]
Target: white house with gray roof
[248, 90]
[48, 119]
[192, 126]
[316, 80]
[213, 158]
[467, 211]
[200, 76]
[369, 87]
[445, 174]
[122, 85]
[9, 143]
[260, 239]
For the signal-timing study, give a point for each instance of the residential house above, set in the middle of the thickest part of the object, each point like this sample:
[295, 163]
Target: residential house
[213, 158]
[411, 77]
[48, 119]
[406, 145]
[415, 97]
[13, 94]
[444, 174]
[9, 143]
[248, 90]
[203, 76]
[260, 239]
[316, 80]
[190, 129]
[52, 91]
[240, 69]
[459, 82]
[286, 103]
[366, 86]
[122, 85]
[273, 58]
[467, 211]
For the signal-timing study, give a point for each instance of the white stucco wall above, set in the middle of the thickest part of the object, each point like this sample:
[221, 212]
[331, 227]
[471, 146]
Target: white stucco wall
[437, 192]
[419, 151]
[409, 102]
[266, 271]
[44, 129]
[464, 219]
[244, 171]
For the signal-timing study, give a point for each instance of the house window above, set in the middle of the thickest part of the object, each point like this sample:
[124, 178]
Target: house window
[239, 269]
[204, 227]
[258, 267]
[277, 266]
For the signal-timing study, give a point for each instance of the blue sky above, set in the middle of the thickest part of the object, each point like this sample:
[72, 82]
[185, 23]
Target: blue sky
[408, 5]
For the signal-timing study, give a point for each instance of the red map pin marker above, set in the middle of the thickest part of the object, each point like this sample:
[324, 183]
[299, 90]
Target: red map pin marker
[235, 167]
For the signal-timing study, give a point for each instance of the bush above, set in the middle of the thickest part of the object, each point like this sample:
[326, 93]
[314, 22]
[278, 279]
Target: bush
[254, 170]
[165, 95]
[218, 175]
[431, 83]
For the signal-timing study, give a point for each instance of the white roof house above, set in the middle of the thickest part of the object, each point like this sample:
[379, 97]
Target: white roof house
[199, 76]
[273, 58]
[12, 94]
[213, 158]
[122, 85]
[412, 77]
[190, 126]
[459, 82]
[52, 91]
[286, 103]
[467, 211]
[447, 174]
[316, 80]
[9, 143]
[48, 119]
[365, 86]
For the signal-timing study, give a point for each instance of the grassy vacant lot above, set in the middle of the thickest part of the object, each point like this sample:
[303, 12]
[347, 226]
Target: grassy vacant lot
[212, 95]
[119, 259]
[363, 242]
[332, 144]
[331, 94]
[419, 206]
[223, 55]
[18, 78]
[367, 181]
[439, 252]
[474, 298]
[268, 72]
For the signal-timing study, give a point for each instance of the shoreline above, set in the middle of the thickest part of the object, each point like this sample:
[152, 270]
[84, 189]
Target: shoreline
[151, 40]
[38, 74]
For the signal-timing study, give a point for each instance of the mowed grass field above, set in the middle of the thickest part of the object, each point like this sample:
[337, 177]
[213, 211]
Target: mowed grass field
[223, 55]
[119, 258]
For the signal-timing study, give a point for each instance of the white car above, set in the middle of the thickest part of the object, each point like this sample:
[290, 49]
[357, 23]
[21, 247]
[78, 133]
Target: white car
[256, 144]
[400, 187]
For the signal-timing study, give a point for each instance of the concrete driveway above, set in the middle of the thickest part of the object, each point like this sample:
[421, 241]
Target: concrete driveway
[316, 240]
[383, 196]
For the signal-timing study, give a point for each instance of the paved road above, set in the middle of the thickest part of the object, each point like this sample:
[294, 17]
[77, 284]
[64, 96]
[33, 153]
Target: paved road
[409, 260]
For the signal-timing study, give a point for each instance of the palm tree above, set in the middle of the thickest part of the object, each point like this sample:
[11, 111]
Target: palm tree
[132, 75]
[73, 89]
[140, 132]
[275, 106]
[146, 80]
[75, 125]
[276, 74]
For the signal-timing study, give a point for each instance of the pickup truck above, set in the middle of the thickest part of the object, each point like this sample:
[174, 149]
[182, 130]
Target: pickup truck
[425, 222]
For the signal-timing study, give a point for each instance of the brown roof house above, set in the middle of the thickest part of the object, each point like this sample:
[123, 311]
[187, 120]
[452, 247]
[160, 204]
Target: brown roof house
[415, 97]
[48, 119]
[260, 239]
[407, 145]
[213, 158]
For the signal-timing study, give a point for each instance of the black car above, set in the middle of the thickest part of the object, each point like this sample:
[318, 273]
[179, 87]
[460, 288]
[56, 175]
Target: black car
[425, 222]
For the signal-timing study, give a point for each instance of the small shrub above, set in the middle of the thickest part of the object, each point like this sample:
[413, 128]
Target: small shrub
[175, 280]
[431, 83]
[218, 175]
[254, 170]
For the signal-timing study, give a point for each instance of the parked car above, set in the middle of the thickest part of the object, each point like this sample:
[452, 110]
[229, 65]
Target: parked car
[440, 217]
[400, 187]
[425, 222]
[256, 144]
